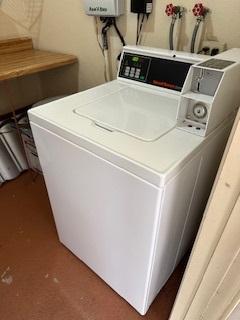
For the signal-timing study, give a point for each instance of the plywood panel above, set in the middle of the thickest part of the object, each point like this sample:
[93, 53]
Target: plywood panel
[221, 281]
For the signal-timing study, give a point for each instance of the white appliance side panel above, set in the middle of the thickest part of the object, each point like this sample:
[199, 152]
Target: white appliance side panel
[210, 157]
[184, 201]
[104, 215]
[177, 196]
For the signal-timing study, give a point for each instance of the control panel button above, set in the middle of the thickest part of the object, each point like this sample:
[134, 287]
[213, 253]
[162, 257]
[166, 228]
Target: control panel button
[126, 72]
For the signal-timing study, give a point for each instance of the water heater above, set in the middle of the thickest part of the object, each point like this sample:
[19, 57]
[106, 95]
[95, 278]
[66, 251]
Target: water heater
[105, 8]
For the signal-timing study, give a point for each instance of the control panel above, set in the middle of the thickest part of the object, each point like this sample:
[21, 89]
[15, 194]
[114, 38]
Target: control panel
[135, 67]
[161, 72]
[210, 94]
[207, 88]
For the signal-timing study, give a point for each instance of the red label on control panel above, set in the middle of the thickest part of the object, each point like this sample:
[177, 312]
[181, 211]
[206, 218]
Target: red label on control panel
[164, 84]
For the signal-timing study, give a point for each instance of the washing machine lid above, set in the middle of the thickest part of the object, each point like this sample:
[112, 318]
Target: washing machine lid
[143, 115]
[154, 161]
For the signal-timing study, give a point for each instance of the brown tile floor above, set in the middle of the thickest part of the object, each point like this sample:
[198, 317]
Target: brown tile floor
[41, 279]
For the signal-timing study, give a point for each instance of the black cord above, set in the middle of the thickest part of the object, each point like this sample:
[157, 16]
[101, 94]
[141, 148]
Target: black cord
[108, 23]
[138, 20]
[141, 27]
[118, 32]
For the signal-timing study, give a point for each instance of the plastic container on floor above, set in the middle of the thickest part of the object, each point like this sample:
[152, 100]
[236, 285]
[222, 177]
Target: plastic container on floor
[12, 142]
[8, 169]
[27, 137]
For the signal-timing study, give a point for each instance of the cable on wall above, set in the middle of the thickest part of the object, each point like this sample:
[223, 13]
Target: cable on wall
[140, 27]
[118, 32]
[109, 22]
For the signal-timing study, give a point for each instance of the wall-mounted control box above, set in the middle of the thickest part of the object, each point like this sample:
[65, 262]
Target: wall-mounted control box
[104, 8]
[141, 6]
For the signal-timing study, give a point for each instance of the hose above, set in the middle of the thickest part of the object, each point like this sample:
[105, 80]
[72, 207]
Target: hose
[194, 36]
[171, 45]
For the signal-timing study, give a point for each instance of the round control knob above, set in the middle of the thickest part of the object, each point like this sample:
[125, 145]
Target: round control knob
[200, 111]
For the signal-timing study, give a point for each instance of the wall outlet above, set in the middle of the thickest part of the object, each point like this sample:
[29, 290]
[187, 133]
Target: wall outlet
[214, 47]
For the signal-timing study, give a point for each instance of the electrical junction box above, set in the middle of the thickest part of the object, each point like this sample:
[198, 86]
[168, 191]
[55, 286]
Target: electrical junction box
[141, 6]
[104, 8]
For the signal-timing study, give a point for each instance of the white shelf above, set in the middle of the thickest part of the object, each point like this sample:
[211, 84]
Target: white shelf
[198, 97]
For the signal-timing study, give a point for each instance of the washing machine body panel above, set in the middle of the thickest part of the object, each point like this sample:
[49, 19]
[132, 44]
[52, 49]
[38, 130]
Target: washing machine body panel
[130, 232]
[105, 215]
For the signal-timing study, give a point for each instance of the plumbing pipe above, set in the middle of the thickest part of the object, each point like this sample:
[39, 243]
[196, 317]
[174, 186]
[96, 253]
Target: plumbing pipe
[176, 12]
[200, 12]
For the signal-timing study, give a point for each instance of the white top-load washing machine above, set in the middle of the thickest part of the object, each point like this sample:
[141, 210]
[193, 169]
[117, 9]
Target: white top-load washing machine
[129, 165]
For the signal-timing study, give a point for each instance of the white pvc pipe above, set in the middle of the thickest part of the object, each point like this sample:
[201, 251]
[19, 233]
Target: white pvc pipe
[107, 65]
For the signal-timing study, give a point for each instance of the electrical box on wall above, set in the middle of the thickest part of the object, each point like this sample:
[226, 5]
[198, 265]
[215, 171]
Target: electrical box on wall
[141, 6]
[104, 8]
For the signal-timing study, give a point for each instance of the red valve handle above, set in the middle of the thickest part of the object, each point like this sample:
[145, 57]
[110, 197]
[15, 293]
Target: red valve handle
[172, 10]
[199, 10]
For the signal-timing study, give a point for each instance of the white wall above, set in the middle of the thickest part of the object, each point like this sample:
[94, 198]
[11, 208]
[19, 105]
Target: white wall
[65, 27]
[20, 18]
[9, 29]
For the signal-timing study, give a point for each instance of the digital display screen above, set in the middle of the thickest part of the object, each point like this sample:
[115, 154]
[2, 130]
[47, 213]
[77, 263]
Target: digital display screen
[135, 59]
